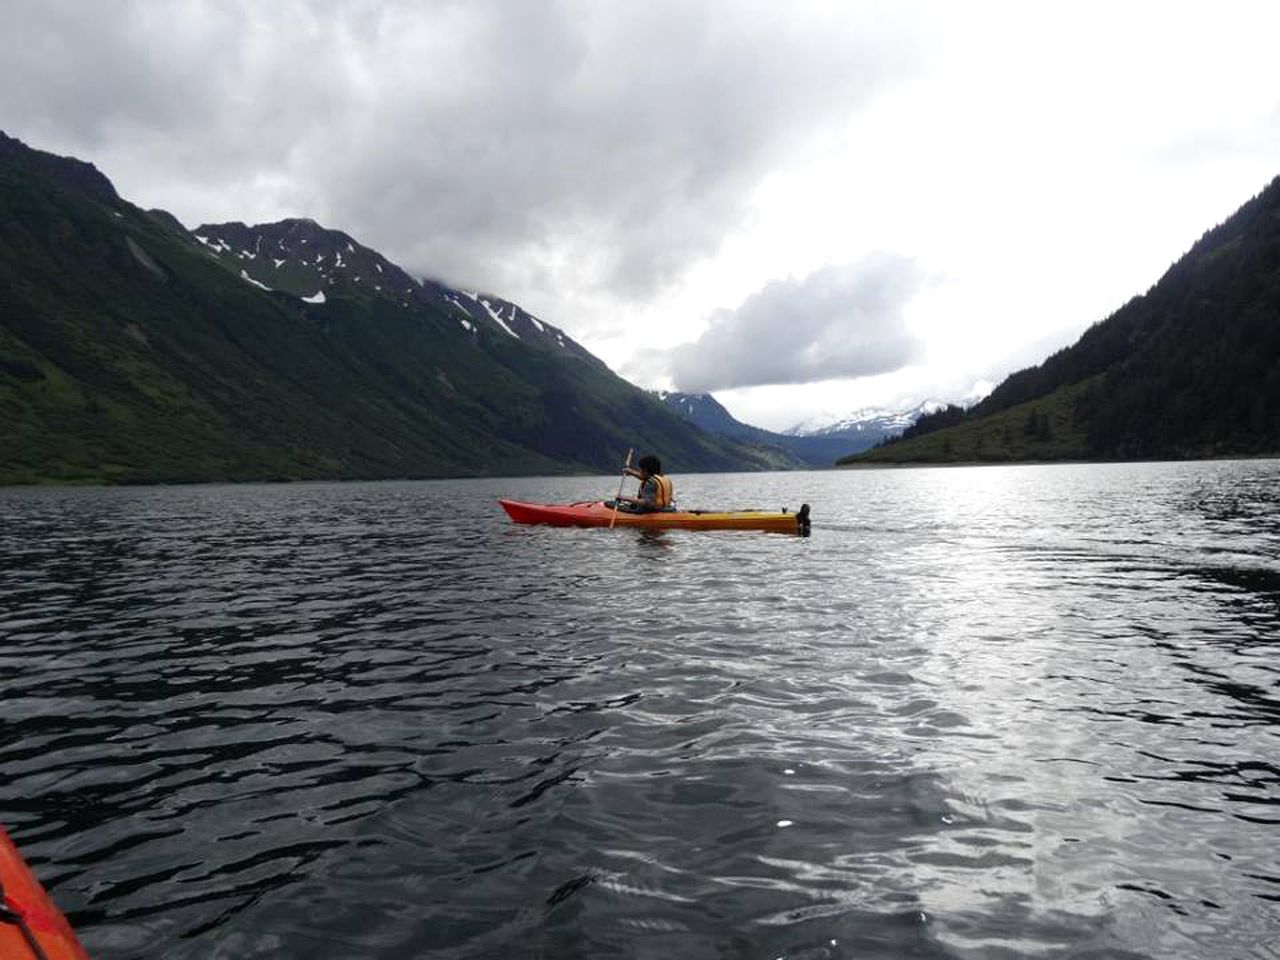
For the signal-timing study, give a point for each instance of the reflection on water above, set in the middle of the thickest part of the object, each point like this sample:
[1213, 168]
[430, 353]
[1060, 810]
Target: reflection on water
[980, 712]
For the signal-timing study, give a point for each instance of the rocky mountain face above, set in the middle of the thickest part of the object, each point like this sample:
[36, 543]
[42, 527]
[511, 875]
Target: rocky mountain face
[708, 413]
[302, 258]
[132, 350]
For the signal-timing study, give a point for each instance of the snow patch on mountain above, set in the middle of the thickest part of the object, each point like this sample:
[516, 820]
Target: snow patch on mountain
[492, 312]
[217, 246]
[244, 276]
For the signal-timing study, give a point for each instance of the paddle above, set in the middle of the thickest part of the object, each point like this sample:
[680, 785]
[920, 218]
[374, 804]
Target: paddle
[626, 466]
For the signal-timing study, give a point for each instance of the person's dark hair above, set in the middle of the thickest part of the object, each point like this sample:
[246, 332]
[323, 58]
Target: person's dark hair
[650, 464]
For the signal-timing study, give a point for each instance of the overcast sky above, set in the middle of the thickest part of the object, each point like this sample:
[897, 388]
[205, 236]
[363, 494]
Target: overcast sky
[805, 207]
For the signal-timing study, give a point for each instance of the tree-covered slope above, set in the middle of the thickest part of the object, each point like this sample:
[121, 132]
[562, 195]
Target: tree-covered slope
[1191, 368]
[129, 351]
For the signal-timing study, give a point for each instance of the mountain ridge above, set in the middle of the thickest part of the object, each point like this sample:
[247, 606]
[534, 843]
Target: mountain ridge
[69, 171]
[316, 262]
[134, 352]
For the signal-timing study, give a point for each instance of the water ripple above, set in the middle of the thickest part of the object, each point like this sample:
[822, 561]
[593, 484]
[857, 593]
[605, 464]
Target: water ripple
[980, 712]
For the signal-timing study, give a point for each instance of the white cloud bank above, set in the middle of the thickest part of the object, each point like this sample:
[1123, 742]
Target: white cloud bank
[630, 169]
[840, 321]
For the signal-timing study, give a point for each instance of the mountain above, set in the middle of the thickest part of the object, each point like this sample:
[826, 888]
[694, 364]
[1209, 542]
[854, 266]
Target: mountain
[301, 258]
[872, 423]
[709, 414]
[1191, 368]
[818, 447]
[132, 350]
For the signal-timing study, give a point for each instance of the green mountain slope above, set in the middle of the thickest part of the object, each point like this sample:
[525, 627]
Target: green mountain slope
[1191, 368]
[131, 352]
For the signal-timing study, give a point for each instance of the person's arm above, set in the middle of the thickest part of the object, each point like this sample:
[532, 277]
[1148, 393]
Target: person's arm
[640, 500]
[648, 495]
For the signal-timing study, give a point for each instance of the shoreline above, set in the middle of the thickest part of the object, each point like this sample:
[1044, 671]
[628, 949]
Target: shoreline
[915, 464]
[81, 483]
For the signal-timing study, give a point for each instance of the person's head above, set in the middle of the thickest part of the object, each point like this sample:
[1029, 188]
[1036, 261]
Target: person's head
[650, 465]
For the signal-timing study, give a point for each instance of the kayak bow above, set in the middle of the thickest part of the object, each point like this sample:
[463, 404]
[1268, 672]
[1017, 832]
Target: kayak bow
[598, 513]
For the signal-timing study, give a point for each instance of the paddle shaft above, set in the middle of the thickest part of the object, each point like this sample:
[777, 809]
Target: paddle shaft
[614, 519]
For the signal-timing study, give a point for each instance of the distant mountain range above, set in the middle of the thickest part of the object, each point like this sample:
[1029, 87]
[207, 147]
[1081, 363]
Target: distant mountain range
[870, 421]
[133, 350]
[1191, 368]
[816, 446]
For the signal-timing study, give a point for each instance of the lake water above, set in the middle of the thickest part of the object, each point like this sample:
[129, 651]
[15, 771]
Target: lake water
[980, 712]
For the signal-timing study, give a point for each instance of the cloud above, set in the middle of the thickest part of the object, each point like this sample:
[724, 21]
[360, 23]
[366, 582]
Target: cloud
[841, 321]
[507, 145]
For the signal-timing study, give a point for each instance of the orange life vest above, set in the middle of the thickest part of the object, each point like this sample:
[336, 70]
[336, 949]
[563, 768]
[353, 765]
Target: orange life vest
[664, 491]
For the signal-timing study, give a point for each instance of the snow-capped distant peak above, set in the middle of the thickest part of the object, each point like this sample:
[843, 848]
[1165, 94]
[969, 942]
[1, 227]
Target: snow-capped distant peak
[826, 422]
[868, 418]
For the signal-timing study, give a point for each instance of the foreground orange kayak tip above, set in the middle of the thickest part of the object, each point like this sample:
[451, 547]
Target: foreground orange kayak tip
[31, 925]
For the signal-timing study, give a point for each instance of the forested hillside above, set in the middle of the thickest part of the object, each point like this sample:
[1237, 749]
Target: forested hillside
[1191, 368]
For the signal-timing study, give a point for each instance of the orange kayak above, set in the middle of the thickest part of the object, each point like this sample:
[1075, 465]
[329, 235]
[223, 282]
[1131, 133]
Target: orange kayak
[31, 926]
[597, 513]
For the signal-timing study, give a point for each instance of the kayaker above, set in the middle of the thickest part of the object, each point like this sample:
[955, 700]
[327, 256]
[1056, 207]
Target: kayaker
[656, 491]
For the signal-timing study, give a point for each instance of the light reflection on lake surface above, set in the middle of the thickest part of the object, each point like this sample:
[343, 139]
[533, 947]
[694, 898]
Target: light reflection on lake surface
[980, 712]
